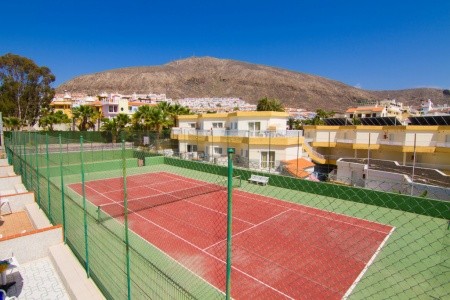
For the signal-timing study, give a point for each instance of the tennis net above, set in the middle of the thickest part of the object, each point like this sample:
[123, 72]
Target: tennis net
[117, 209]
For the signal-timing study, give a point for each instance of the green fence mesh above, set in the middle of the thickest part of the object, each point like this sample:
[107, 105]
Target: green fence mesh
[148, 221]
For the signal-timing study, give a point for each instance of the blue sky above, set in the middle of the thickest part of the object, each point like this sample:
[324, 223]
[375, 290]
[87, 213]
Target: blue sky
[374, 45]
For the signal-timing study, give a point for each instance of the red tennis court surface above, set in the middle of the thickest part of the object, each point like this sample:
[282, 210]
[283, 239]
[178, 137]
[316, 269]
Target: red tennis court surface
[281, 250]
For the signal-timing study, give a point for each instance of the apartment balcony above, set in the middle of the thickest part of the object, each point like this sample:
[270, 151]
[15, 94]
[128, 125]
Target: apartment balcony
[443, 144]
[410, 143]
[176, 131]
[345, 141]
[391, 143]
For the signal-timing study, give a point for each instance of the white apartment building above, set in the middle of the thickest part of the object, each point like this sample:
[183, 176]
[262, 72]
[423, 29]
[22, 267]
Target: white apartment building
[259, 139]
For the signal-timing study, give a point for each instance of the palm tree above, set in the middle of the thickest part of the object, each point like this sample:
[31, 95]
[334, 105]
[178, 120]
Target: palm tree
[266, 104]
[110, 125]
[12, 123]
[175, 110]
[159, 119]
[122, 120]
[50, 118]
[319, 118]
[142, 117]
[85, 116]
[152, 118]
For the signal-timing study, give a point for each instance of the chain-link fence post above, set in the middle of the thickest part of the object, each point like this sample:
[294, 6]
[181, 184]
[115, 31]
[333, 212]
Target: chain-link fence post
[31, 163]
[230, 152]
[20, 154]
[125, 207]
[25, 177]
[62, 190]
[83, 188]
[37, 170]
[49, 205]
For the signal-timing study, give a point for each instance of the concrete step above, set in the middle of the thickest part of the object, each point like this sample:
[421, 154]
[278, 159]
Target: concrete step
[73, 275]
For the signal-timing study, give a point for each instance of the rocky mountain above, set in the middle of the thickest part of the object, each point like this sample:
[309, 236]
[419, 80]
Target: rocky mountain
[212, 77]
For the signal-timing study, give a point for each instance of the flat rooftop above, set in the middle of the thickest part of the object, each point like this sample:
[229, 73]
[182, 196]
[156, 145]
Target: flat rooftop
[421, 175]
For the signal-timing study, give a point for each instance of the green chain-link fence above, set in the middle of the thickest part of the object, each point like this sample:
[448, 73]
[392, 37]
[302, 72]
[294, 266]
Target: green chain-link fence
[148, 222]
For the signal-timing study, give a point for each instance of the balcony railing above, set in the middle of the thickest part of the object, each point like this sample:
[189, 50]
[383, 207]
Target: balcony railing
[446, 144]
[410, 143]
[309, 149]
[238, 133]
[392, 143]
[345, 141]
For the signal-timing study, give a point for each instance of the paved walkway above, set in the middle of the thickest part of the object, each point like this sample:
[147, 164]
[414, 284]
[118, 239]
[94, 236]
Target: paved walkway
[37, 280]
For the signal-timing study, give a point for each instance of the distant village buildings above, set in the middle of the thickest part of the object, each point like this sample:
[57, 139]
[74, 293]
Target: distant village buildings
[112, 104]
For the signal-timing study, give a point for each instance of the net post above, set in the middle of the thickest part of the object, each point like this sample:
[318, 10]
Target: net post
[84, 208]
[62, 190]
[125, 207]
[230, 152]
[37, 170]
[49, 206]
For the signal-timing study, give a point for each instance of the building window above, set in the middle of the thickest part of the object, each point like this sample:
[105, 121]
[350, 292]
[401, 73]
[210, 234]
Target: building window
[244, 153]
[359, 115]
[191, 148]
[217, 125]
[112, 109]
[267, 159]
[192, 125]
[254, 126]
[368, 115]
[374, 115]
[351, 116]
[217, 150]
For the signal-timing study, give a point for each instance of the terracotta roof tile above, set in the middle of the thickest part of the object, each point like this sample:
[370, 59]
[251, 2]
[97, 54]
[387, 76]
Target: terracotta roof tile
[297, 167]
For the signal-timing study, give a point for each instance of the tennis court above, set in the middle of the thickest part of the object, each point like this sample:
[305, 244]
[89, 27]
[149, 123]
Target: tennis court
[309, 253]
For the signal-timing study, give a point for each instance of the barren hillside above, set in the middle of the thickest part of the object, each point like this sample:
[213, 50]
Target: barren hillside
[211, 77]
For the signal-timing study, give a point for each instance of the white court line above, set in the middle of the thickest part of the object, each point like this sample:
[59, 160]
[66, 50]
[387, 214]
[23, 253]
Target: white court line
[249, 228]
[207, 208]
[350, 290]
[139, 186]
[113, 201]
[298, 210]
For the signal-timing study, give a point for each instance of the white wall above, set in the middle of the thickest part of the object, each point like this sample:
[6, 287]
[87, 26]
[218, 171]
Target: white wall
[6, 171]
[41, 241]
[422, 138]
[362, 137]
[325, 136]
[7, 183]
[18, 202]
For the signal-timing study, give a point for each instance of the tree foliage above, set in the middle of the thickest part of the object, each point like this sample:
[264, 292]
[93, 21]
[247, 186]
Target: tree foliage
[25, 88]
[320, 116]
[115, 126]
[446, 92]
[266, 104]
[11, 123]
[85, 117]
[49, 118]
